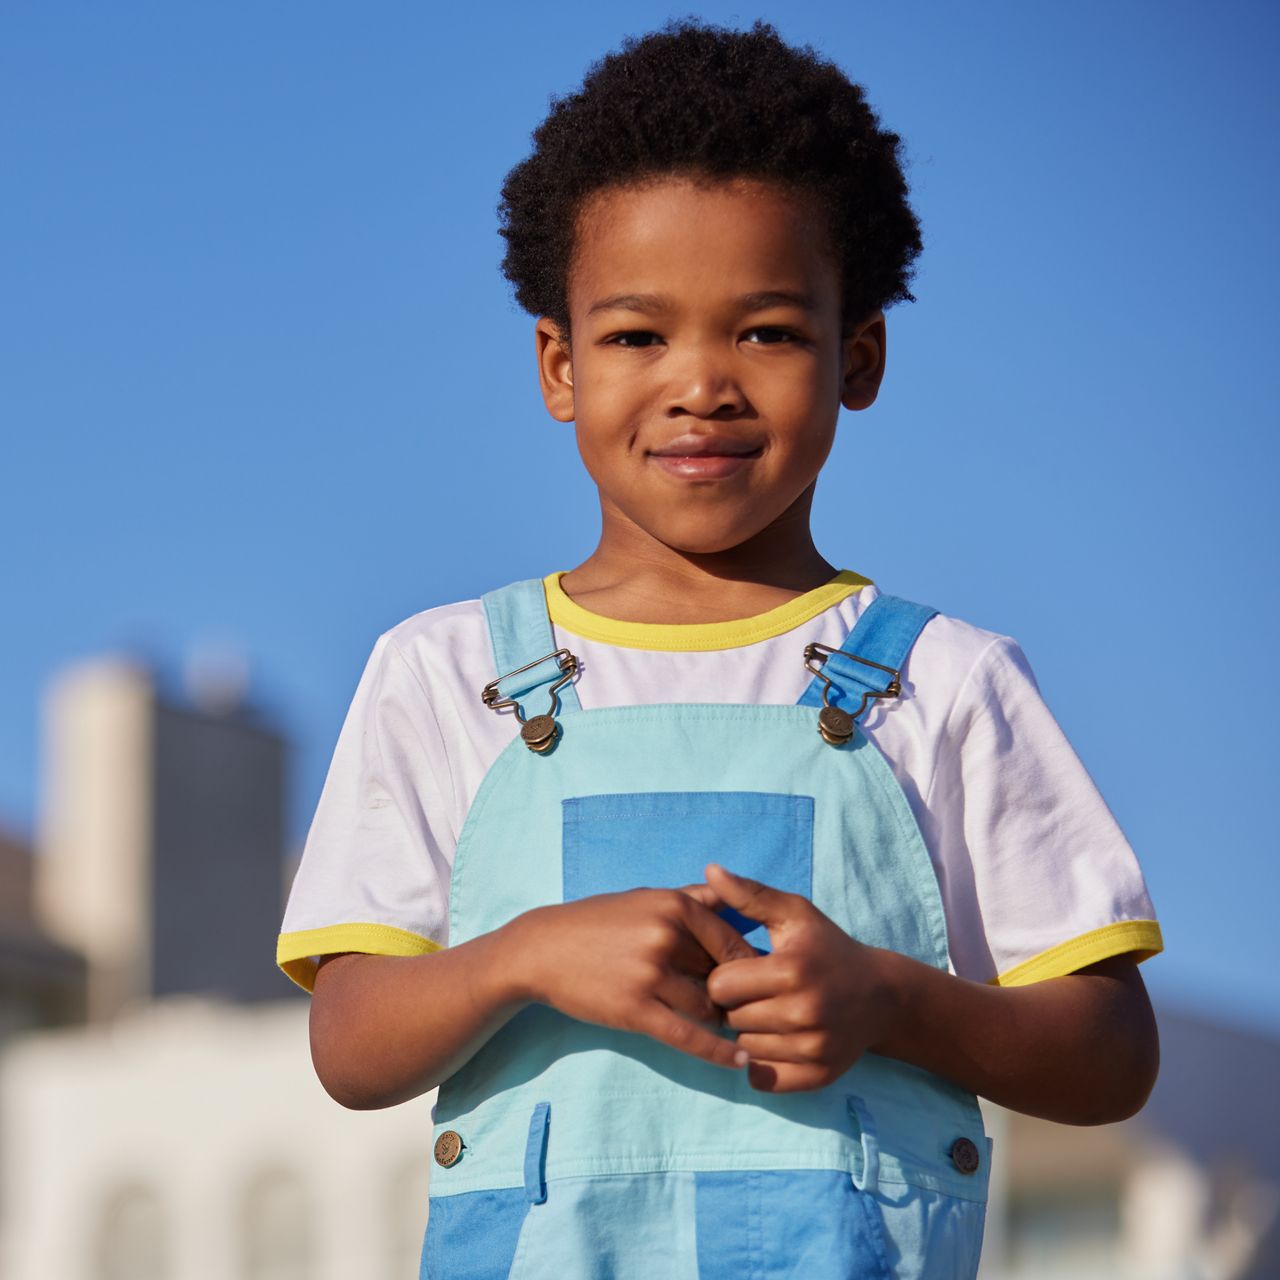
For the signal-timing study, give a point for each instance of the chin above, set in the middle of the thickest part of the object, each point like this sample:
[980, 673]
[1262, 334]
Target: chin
[703, 541]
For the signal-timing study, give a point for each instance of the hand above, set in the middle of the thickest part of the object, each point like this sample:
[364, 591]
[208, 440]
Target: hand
[636, 961]
[807, 1012]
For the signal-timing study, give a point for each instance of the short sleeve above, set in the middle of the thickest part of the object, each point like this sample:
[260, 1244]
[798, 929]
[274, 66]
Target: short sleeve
[1040, 879]
[373, 876]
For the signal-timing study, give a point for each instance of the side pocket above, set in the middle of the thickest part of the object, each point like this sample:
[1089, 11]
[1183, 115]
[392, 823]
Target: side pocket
[866, 1180]
[930, 1235]
[930, 1212]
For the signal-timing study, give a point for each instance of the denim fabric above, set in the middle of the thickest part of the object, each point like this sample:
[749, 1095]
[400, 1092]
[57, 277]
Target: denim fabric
[653, 1159]
[797, 1224]
[520, 632]
[664, 839]
[473, 1236]
[884, 634]
[535, 1154]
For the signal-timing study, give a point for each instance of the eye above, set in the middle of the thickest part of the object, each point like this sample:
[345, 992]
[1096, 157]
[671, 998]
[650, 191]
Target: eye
[634, 338]
[770, 335]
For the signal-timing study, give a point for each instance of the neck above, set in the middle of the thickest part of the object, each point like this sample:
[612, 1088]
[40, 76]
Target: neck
[634, 577]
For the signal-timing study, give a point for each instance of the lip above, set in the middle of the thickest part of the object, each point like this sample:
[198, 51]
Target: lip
[699, 445]
[705, 457]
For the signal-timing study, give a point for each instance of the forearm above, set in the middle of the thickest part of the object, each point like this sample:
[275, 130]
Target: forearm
[385, 1029]
[1081, 1049]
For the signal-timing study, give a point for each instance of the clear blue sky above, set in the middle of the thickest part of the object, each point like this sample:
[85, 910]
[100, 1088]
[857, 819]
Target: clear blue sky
[260, 376]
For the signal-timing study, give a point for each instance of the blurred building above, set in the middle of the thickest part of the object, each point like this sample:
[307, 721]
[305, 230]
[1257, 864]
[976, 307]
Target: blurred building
[161, 840]
[190, 1140]
[42, 984]
[160, 1120]
[159, 1116]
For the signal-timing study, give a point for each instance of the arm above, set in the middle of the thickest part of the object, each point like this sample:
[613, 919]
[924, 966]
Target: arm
[387, 1028]
[1081, 1049]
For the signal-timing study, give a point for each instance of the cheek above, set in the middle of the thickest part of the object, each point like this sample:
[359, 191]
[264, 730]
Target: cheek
[809, 408]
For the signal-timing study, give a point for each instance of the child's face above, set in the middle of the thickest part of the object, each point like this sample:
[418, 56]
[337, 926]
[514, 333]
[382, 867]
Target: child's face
[708, 365]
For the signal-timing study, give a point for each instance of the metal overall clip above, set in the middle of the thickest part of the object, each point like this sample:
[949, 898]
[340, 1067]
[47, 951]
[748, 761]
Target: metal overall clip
[835, 723]
[539, 733]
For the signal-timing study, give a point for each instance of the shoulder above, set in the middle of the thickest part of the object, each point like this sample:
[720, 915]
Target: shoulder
[432, 654]
[442, 628]
[954, 660]
[957, 677]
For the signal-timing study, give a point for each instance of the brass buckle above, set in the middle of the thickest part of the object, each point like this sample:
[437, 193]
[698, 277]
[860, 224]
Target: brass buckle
[539, 733]
[835, 724]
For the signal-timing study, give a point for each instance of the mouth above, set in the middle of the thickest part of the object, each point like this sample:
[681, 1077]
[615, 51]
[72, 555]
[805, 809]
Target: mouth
[705, 457]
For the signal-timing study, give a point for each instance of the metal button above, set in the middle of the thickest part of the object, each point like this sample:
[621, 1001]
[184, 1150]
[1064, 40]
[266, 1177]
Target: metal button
[540, 733]
[964, 1155]
[836, 725]
[448, 1149]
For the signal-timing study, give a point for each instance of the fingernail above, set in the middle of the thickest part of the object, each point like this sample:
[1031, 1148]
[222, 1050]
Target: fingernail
[741, 1058]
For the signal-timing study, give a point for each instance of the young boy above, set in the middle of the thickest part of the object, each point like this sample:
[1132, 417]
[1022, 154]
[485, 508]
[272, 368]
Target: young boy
[709, 883]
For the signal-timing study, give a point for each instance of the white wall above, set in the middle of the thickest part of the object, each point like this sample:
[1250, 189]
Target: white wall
[176, 1114]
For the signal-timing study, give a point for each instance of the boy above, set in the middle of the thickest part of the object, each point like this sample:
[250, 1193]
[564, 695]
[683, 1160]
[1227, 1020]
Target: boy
[709, 882]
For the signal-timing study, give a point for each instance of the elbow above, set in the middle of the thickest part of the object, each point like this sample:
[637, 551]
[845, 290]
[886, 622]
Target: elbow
[351, 1089]
[346, 1093]
[341, 1085]
[1122, 1089]
[1140, 1079]
[340, 1057]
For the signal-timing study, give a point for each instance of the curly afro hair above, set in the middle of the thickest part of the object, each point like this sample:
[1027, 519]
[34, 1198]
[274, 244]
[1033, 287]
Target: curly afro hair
[708, 102]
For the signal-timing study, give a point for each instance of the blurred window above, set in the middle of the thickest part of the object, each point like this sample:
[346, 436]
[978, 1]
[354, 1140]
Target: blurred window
[407, 1201]
[132, 1237]
[276, 1227]
[1065, 1232]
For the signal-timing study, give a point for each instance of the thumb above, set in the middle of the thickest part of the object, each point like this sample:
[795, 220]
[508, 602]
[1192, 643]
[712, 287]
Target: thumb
[702, 894]
[750, 898]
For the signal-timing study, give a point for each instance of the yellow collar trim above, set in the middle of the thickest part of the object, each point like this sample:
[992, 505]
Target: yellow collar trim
[697, 636]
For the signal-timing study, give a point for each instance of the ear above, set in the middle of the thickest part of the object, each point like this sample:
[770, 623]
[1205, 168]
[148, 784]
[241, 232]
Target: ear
[863, 363]
[555, 370]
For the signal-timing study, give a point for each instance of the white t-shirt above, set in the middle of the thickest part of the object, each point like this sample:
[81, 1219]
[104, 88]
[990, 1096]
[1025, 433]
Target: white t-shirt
[1037, 879]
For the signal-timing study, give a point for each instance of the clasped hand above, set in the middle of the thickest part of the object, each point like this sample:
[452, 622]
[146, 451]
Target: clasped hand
[663, 963]
[808, 1010]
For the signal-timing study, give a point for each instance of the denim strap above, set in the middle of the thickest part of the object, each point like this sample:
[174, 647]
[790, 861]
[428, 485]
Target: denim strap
[520, 632]
[884, 634]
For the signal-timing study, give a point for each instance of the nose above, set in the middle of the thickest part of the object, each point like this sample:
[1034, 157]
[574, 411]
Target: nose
[703, 384]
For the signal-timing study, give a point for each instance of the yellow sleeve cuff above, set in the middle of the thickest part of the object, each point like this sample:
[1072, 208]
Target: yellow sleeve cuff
[1139, 937]
[296, 952]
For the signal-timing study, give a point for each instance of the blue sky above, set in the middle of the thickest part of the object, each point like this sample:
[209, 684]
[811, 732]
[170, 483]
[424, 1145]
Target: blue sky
[260, 378]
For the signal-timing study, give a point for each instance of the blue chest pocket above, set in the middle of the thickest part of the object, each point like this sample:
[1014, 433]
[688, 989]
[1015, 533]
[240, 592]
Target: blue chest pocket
[664, 839]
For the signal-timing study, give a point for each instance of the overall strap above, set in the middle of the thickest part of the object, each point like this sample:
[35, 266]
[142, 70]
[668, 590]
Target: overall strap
[520, 633]
[883, 634]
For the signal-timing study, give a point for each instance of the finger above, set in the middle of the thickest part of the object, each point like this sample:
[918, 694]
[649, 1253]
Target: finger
[786, 1077]
[702, 894]
[737, 982]
[779, 1015]
[721, 941]
[799, 1046]
[689, 997]
[752, 899]
[689, 957]
[667, 1026]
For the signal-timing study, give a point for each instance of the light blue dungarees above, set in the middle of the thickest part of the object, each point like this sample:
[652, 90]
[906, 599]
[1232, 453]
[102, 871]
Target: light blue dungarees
[566, 1151]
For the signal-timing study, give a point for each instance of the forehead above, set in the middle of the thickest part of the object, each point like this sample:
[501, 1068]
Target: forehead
[700, 241]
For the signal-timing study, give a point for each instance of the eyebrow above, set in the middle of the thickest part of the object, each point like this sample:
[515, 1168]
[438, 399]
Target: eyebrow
[654, 303]
[648, 303]
[776, 298]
